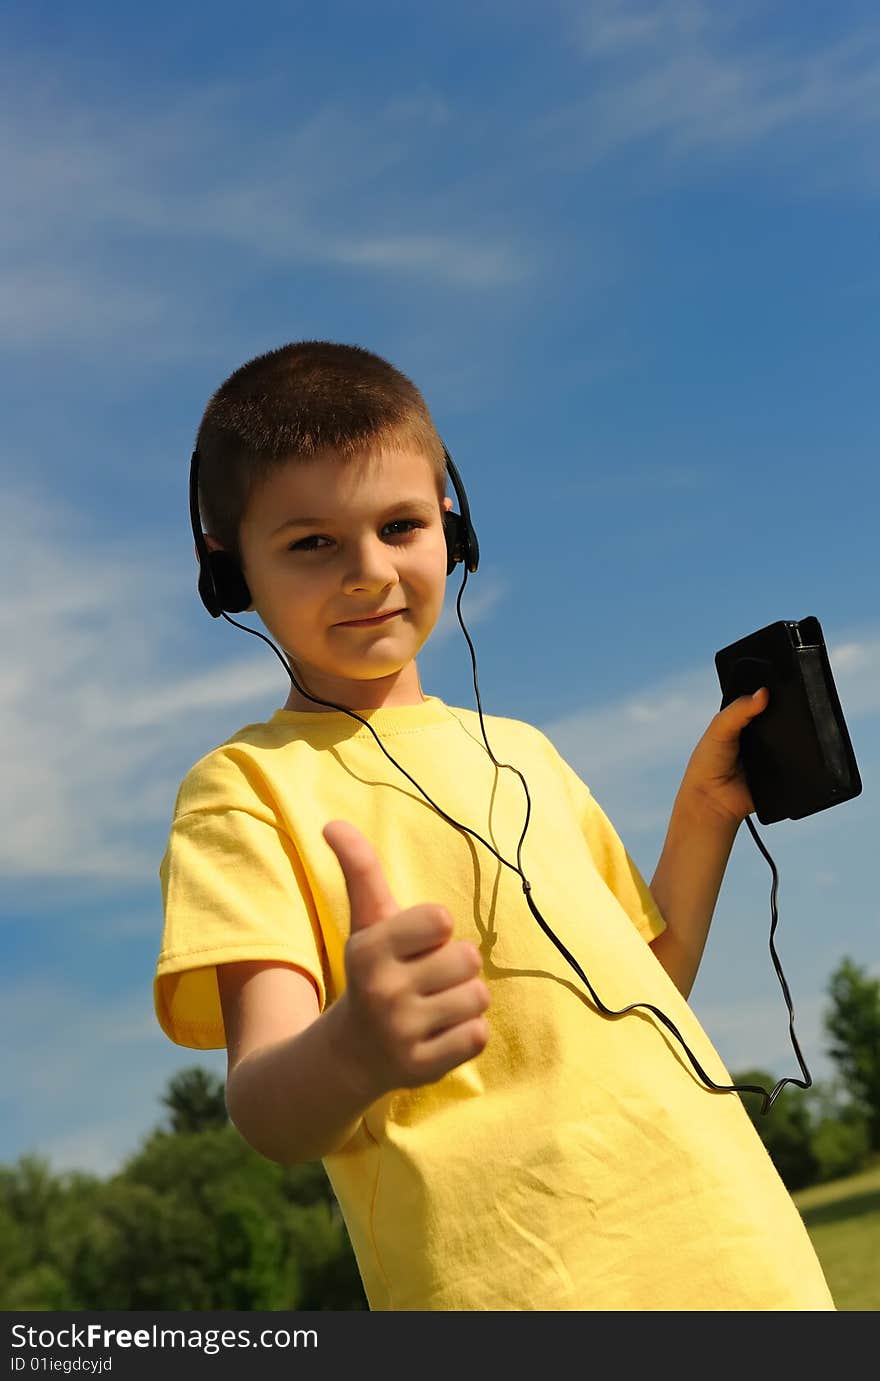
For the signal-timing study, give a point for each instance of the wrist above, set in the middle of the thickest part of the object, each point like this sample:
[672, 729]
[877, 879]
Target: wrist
[350, 1055]
[695, 810]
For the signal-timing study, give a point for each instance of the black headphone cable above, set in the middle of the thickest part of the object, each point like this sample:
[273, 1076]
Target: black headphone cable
[768, 1097]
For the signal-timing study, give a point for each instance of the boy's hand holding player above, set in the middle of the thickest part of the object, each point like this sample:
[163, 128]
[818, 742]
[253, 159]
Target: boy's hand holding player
[414, 1000]
[714, 778]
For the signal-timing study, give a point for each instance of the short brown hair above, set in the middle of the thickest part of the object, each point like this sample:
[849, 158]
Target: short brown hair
[300, 402]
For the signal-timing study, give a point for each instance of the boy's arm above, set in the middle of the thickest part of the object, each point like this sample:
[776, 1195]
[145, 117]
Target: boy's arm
[686, 884]
[294, 1087]
[712, 801]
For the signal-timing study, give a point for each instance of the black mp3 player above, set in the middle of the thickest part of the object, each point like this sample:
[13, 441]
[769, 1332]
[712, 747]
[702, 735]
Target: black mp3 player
[796, 755]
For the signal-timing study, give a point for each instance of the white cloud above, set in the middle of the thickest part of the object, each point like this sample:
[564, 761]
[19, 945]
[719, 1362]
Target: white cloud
[645, 730]
[475, 265]
[90, 718]
[101, 215]
[687, 77]
[44, 303]
[855, 662]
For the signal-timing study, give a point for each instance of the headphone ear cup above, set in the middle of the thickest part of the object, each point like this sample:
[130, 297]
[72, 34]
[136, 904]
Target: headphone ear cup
[229, 585]
[453, 530]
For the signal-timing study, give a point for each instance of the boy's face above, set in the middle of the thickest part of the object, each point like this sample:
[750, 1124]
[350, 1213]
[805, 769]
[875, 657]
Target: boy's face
[378, 546]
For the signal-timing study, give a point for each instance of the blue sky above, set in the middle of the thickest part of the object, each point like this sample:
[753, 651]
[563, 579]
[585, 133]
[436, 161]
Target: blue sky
[630, 252]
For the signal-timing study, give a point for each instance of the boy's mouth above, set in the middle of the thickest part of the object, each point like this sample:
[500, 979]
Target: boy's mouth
[376, 618]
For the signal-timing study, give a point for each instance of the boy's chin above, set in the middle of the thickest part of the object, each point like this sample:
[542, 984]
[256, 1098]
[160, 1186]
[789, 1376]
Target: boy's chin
[333, 677]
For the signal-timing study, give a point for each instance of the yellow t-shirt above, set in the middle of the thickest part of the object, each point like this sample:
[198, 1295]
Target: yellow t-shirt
[578, 1163]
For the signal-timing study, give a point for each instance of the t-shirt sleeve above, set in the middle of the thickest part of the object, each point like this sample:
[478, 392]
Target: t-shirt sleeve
[233, 888]
[612, 860]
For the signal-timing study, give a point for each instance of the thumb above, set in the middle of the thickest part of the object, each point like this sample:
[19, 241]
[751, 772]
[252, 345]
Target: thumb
[369, 895]
[741, 711]
[755, 703]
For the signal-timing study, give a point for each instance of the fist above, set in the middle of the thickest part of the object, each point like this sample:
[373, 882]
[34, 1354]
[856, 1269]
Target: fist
[415, 997]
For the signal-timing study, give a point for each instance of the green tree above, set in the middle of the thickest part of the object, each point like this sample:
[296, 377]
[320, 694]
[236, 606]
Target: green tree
[853, 1023]
[15, 1258]
[29, 1193]
[194, 1220]
[41, 1217]
[841, 1145]
[198, 1220]
[196, 1100]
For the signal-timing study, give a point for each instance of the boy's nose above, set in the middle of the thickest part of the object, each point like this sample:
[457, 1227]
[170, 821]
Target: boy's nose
[372, 567]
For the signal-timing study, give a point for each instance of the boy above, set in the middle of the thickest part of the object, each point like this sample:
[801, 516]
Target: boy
[387, 1001]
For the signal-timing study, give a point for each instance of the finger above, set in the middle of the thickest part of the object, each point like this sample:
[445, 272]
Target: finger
[420, 931]
[437, 1055]
[447, 967]
[454, 1006]
[370, 898]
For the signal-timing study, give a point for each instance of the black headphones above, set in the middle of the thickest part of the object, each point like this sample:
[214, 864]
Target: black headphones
[222, 585]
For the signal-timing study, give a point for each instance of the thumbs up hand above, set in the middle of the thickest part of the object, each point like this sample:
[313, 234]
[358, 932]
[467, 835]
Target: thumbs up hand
[415, 999]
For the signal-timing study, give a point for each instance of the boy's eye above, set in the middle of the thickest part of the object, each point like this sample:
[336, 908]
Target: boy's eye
[305, 543]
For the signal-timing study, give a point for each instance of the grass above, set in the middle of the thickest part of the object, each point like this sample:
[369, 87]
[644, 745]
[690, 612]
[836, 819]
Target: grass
[843, 1220]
